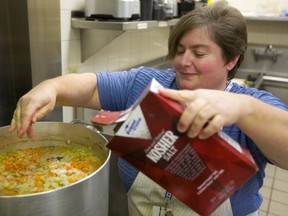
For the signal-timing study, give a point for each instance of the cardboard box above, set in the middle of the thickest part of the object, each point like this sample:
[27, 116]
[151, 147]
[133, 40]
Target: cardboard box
[200, 173]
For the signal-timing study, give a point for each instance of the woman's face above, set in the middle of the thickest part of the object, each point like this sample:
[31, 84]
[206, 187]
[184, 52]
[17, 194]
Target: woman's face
[199, 63]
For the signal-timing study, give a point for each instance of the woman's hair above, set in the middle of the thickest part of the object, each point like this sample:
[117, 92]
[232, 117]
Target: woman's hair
[224, 24]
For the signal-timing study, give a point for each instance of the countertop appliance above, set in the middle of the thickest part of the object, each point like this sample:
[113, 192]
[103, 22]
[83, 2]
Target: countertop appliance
[123, 10]
[163, 9]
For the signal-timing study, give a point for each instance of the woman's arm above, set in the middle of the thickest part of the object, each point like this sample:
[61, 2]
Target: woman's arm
[69, 90]
[267, 126]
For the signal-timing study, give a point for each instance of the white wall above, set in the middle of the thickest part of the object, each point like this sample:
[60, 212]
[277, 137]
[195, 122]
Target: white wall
[260, 7]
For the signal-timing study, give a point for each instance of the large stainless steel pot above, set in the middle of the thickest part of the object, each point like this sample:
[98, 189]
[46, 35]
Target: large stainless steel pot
[90, 196]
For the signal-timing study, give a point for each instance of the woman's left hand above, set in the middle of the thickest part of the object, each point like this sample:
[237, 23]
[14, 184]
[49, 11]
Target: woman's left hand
[207, 111]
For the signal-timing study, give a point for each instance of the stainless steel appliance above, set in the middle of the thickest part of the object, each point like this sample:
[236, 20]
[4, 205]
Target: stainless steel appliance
[163, 9]
[30, 50]
[15, 67]
[113, 9]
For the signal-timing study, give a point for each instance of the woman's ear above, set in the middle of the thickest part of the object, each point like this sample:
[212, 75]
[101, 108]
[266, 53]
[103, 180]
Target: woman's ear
[232, 63]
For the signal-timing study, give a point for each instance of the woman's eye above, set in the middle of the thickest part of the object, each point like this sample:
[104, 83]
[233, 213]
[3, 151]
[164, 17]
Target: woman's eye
[199, 54]
[180, 52]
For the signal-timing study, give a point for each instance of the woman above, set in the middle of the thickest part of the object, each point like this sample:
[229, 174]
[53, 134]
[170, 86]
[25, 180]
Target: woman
[206, 46]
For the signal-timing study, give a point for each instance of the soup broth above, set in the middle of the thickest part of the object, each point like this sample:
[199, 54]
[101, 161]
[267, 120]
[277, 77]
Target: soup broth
[40, 169]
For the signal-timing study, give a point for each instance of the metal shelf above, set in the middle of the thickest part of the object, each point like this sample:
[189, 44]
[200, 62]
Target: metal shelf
[82, 23]
[267, 18]
[97, 34]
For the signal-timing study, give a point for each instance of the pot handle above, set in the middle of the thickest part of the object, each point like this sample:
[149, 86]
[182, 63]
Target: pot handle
[91, 127]
[85, 123]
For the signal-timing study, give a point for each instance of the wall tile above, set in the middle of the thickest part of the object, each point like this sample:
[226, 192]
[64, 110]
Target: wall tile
[101, 61]
[282, 174]
[87, 66]
[270, 170]
[268, 181]
[280, 196]
[68, 114]
[261, 7]
[72, 4]
[67, 32]
[266, 192]
[281, 185]
[265, 205]
[268, 32]
[278, 209]
[70, 52]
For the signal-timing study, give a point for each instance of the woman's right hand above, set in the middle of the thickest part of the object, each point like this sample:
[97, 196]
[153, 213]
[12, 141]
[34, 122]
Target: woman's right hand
[31, 107]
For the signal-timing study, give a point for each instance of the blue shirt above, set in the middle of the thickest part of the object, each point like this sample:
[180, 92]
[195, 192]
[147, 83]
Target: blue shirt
[119, 90]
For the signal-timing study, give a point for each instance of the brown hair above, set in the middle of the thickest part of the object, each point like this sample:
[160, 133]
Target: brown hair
[225, 26]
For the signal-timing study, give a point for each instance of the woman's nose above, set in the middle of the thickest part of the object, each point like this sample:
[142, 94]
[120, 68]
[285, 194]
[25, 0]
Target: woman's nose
[186, 58]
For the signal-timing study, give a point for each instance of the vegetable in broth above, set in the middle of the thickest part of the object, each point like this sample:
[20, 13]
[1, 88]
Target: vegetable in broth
[40, 169]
